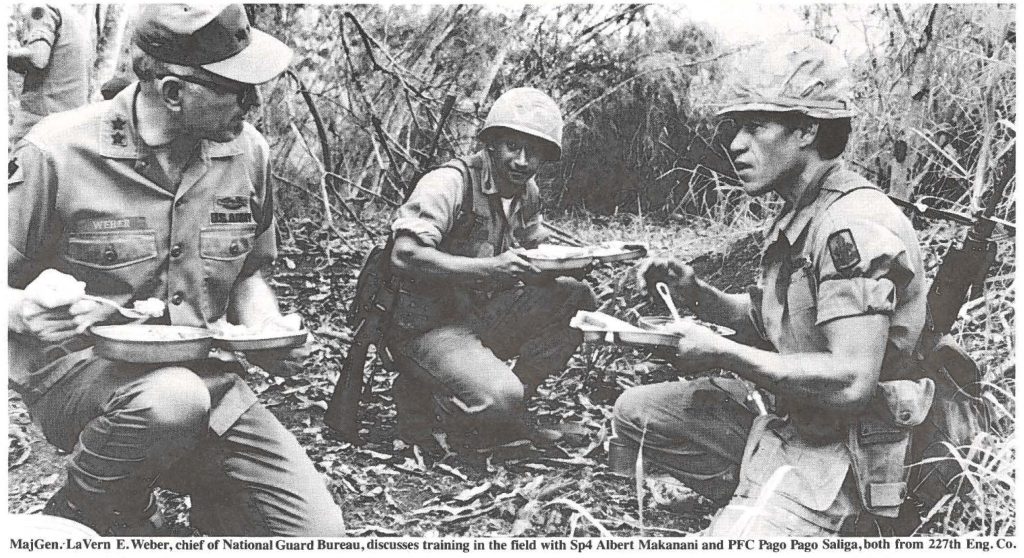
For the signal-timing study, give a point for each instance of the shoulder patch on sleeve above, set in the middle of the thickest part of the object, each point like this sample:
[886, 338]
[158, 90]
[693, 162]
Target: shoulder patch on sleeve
[37, 12]
[843, 250]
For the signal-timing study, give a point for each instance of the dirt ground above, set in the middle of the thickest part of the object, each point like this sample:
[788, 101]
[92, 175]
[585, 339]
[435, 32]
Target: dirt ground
[389, 488]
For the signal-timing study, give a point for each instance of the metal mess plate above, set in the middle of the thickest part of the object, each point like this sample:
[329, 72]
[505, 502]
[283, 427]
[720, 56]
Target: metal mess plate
[553, 257]
[261, 342]
[153, 344]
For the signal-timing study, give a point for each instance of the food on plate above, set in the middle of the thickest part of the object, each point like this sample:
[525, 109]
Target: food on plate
[149, 332]
[151, 307]
[222, 329]
[559, 252]
[554, 252]
[667, 324]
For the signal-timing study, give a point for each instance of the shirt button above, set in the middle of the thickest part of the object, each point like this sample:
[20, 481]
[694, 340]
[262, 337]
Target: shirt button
[177, 298]
[180, 202]
[110, 255]
[234, 249]
[176, 250]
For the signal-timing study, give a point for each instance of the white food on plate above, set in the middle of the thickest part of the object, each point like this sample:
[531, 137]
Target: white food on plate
[226, 330]
[143, 332]
[559, 252]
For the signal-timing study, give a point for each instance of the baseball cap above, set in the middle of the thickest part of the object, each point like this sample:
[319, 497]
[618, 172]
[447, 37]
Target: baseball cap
[801, 74]
[218, 39]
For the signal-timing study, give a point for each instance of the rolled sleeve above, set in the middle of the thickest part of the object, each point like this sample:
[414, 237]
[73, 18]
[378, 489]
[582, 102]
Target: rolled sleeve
[855, 297]
[42, 24]
[862, 263]
[430, 212]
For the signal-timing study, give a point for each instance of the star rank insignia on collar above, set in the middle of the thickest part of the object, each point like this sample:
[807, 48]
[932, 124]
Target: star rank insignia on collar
[118, 123]
[119, 139]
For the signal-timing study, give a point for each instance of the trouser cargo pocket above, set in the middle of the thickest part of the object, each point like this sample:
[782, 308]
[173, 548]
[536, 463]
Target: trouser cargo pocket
[879, 442]
[420, 311]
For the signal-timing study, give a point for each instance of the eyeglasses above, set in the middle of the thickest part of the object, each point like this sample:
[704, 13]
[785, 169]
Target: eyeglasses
[245, 93]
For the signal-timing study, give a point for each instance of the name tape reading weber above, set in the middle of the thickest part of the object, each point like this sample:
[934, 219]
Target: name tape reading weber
[545, 545]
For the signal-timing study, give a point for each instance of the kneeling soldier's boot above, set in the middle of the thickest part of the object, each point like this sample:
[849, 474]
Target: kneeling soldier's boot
[148, 522]
[415, 407]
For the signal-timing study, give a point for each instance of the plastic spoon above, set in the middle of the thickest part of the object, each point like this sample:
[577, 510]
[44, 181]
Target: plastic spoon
[667, 297]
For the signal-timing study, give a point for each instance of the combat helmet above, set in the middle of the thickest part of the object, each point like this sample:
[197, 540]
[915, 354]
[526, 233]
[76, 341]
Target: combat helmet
[530, 111]
[801, 74]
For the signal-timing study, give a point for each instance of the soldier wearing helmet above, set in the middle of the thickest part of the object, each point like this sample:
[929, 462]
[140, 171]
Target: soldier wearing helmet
[468, 300]
[799, 440]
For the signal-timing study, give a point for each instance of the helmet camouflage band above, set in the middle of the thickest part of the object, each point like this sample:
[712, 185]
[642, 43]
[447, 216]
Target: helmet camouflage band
[800, 75]
[530, 111]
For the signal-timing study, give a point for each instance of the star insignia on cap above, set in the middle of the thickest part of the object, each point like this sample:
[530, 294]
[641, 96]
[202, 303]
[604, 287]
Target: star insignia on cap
[118, 123]
[119, 139]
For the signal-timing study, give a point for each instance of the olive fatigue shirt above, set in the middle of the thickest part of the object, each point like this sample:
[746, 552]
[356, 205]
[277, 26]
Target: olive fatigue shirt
[88, 198]
[434, 215]
[844, 250]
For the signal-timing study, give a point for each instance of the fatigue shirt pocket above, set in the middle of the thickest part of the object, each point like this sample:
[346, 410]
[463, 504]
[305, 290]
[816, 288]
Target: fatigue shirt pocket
[777, 460]
[223, 250]
[879, 442]
[470, 239]
[111, 262]
[800, 332]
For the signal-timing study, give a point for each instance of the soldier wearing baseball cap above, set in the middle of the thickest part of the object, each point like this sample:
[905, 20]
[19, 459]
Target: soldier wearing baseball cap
[792, 444]
[161, 192]
[469, 300]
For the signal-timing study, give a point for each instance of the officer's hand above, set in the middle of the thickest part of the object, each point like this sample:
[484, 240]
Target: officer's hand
[699, 349]
[45, 311]
[680, 278]
[89, 312]
[510, 267]
[281, 362]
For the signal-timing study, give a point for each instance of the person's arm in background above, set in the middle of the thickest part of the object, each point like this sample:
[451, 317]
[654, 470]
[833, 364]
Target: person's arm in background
[42, 25]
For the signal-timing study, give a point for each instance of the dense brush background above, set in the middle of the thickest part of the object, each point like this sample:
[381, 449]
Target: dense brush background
[643, 159]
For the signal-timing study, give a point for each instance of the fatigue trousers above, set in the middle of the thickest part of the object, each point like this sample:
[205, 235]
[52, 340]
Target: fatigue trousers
[702, 432]
[132, 427]
[462, 364]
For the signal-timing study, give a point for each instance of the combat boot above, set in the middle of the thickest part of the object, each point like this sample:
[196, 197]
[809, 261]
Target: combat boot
[147, 523]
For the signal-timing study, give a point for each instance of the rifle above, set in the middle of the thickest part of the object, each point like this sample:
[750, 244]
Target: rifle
[370, 315]
[958, 412]
[963, 269]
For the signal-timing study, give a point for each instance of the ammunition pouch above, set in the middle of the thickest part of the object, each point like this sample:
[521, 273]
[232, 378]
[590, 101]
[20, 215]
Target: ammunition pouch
[880, 442]
[958, 416]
